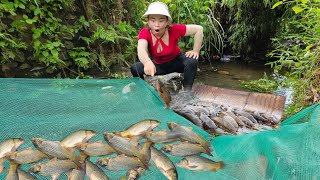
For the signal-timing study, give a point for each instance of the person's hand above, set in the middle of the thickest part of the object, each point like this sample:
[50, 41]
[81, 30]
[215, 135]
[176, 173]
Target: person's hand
[192, 54]
[149, 68]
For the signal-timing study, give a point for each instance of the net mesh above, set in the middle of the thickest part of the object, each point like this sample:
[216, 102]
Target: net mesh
[53, 108]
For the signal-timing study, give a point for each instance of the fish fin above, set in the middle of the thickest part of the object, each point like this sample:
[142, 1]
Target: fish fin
[221, 164]
[213, 169]
[144, 159]
[193, 167]
[55, 176]
[122, 155]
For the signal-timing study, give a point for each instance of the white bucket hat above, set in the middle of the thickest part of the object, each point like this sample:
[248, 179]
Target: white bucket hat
[158, 8]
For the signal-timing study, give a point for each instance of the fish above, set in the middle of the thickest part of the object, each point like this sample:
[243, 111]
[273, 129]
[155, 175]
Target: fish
[2, 160]
[96, 149]
[27, 156]
[23, 175]
[164, 164]
[10, 145]
[134, 174]
[226, 124]
[162, 136]
[207, 122]
[140, 128]
[163, 92]
[53, 168]
[145, 149]
[247, 121]
[120, 162]
[199, 163]
[187, 134]
[247, 115]
[185, 149]
[123, 145]
[94, 172]
[77, 137]
[12, 173]
[191, 117]
[52, 148]
[236, 118]
[75, 174]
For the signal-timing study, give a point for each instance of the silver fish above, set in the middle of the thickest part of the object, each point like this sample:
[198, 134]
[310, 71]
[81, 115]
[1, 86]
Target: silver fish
[237, 119]
[134, 174]
[94, 172]
[23, 175]
[96, 149]
[52, 148]
[10, 145]
[185, 149]
[120, 162]
[162, 136]
[164, 164]
[187, 134]
[75, 174]
[53, 167]
[27, 156]
[12, 172]
[196, 162]
[75, 138]
[124, 146]
[140, 128]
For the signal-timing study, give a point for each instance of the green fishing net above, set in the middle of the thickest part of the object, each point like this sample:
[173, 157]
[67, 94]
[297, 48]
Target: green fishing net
[53, 108]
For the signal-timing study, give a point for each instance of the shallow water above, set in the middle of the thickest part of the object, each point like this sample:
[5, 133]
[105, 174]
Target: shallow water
[229, 74]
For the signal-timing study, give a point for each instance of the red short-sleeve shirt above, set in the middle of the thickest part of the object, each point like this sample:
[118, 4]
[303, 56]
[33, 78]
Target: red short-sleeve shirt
[169, 52]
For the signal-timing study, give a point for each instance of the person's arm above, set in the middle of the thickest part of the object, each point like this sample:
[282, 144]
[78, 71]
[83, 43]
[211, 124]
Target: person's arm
[143, 55]
[197, 31]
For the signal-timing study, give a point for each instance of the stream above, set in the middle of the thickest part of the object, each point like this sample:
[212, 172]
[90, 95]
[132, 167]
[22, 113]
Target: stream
[230, 74]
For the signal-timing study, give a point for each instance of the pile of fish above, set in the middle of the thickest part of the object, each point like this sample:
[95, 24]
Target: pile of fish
[134, 147]
[218, 119]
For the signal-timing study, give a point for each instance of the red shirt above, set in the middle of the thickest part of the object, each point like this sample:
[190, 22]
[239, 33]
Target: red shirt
[169, 52]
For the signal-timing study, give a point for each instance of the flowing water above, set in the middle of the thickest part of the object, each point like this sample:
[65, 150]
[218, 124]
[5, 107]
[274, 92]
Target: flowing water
[230, 74]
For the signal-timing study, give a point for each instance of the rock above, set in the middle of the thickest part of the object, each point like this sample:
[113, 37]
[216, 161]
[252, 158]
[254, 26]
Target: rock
[172, 81]
[24, 66]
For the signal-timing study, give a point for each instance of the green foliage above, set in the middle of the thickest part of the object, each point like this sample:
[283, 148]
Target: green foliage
[263, 85]
[296, 48]
[202, 13]
[80, 56]
[251, 24]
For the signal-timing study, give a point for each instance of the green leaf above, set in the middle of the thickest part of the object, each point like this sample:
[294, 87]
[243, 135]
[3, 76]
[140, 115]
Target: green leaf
[56, 44]
[86, 23]
[30, 21]
[25, 17]
[304, 1]
[37, 11]
[21, 6]
[36, 33]
[277, 4]
[297, 9]
[54, 52]
[45, 53]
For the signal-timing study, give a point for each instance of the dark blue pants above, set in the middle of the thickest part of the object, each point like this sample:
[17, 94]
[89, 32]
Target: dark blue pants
[180, 64]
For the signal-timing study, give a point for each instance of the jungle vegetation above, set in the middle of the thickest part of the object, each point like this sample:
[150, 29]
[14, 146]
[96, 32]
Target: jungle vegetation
[73, 38]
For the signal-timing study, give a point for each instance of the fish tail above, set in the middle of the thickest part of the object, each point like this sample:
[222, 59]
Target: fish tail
[221, 164]
[208, 151]
[80, 163]
[144, 160]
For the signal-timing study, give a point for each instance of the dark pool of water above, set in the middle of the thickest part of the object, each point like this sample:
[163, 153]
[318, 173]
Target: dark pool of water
[230, 74]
